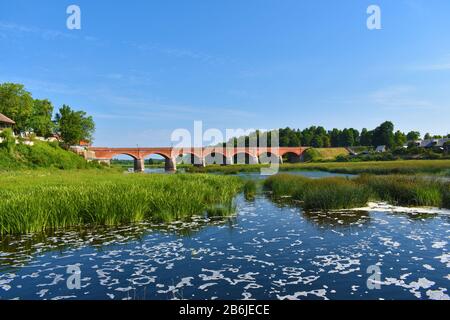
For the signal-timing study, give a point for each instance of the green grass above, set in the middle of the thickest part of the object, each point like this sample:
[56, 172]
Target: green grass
[319, 194]
[41, 155]
[441, 167]
[407, 190]
[41, 200]
[250, 190]
[342, 193]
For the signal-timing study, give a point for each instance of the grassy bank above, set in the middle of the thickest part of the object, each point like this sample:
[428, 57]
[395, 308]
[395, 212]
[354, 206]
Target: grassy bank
[374, 167]
[341, 193]
[41, 155]
[40, 200]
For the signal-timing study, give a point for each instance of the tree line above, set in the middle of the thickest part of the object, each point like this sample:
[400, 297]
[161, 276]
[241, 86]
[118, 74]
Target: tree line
[36, 116]
[318, 137]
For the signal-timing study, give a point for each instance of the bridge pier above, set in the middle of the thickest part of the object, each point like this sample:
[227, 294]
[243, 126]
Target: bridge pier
[200, 165]
[171, 165]
[229, 161]
[139, 165]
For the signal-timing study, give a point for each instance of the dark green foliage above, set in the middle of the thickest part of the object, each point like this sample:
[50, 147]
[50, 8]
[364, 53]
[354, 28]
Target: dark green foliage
[17, 104]
[74, 126]
[311, 155]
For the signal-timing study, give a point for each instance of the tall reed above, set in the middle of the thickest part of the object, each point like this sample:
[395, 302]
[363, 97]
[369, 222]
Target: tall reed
[30, 202]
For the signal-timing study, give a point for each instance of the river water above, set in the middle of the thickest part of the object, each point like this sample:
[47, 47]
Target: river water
[268, 250]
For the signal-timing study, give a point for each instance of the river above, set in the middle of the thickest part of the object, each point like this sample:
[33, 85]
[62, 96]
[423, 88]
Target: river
[268, 250]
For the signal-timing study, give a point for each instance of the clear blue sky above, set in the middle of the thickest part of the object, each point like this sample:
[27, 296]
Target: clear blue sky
[144, 68]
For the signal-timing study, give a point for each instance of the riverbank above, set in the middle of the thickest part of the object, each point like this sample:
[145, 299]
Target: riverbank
[34, 201]
[409, 167]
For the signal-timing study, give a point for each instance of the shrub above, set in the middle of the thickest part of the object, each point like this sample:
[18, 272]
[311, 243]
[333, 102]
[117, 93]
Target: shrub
[311, 155]
[9, 141]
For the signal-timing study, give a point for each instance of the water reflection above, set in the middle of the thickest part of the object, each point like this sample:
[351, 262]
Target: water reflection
[18, 250]
[267, 251]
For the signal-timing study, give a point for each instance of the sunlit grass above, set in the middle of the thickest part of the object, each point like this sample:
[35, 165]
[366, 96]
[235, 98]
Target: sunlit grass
[441, 167]
[36, 201]
[342, 193]
[319, 194]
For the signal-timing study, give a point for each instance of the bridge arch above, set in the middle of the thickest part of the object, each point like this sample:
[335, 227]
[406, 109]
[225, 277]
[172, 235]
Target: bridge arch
[189, 158]
[291, 157]
[215, 157]
[118, 154]
[169, 162]
[245, 157]
[269, 157]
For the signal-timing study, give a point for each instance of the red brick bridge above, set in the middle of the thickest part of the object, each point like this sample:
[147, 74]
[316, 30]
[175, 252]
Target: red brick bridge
[198, 156]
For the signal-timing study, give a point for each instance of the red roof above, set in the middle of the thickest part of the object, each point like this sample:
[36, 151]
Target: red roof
[5, 119]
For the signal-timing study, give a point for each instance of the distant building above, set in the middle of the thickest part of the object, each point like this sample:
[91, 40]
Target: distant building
[381, 149]
[430, 143]
[5, 122]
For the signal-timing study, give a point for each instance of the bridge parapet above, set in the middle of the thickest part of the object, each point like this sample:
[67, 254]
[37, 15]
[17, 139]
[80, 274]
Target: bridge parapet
[105, 154]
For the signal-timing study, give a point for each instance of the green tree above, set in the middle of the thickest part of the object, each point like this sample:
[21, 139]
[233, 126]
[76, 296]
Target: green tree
[366, 137]
[334, 137]
[399, 138]
[413, 136]
[41, 119]
[317, 142]
[74, 126]
[17, 104]
[346, 138]
[384, 135]
[427, 136]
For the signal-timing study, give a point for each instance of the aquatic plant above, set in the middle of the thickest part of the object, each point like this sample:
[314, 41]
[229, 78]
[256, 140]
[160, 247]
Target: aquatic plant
[342, 193]
[36, 201]
[406, 190]
[249, 190]
[319, 194]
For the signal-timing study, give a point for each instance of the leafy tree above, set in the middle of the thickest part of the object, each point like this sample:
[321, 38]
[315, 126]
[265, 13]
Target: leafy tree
[366, 137]
[346, 138]
[334, 137]
[399, 138]
[17, 104]
[74, 126]
[326, 141]
[384, 135]
[41, 119]
[317, 142]
[427, 136]
[413, 135]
